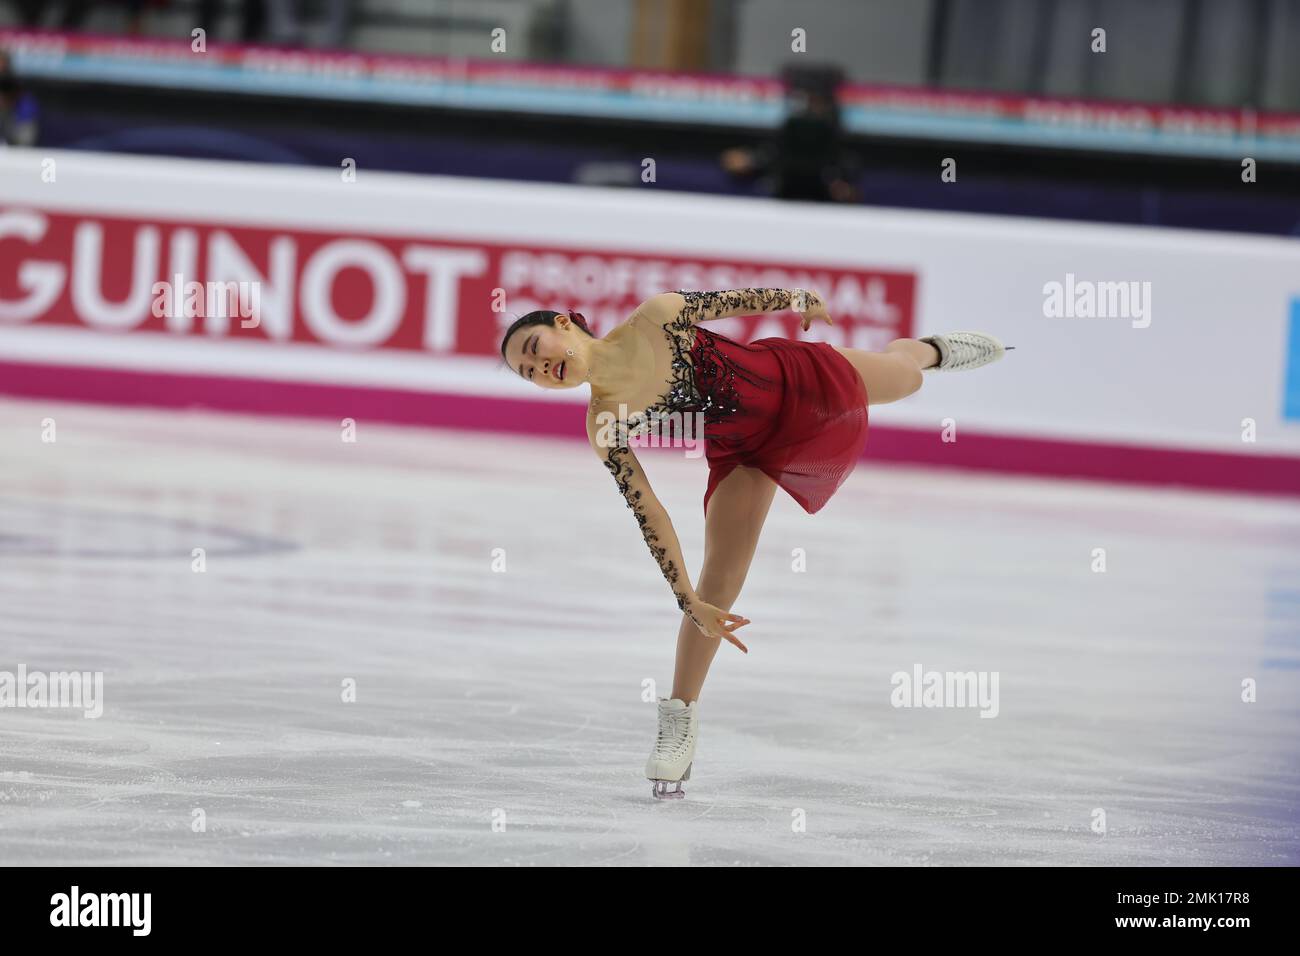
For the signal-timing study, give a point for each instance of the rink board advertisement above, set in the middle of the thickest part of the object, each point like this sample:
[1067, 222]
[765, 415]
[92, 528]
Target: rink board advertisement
[293, 290]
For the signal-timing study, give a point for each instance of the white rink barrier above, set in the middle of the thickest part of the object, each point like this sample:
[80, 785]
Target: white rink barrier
[1133, 344]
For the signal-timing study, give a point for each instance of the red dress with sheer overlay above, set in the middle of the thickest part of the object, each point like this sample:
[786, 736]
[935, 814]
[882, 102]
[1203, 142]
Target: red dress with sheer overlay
[797, 411]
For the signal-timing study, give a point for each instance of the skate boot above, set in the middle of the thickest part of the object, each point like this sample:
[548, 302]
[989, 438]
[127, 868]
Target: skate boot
[670, 763]
[962, 351]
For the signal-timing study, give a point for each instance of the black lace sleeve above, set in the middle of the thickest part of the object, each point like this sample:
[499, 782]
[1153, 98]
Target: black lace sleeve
[651, 517]
[702, 306]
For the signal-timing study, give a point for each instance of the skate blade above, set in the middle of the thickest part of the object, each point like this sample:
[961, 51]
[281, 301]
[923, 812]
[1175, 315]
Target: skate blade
[660, 790]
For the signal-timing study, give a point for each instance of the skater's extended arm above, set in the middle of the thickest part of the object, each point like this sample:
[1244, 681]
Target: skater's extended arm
[609, 441]
[692, 308]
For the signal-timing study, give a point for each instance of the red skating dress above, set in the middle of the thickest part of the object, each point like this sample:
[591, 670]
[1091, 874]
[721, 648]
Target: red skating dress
[795, 410]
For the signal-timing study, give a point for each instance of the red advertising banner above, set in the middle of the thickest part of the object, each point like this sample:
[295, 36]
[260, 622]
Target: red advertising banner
[352, 291]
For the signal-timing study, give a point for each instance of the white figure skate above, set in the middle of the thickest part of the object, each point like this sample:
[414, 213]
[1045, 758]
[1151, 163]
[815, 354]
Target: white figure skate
[670, 763]
[962, 351]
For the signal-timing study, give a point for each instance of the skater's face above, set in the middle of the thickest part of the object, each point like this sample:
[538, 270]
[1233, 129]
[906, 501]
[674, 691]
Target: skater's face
[540, 354]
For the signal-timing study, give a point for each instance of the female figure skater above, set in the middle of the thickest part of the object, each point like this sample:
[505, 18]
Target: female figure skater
[775, 412]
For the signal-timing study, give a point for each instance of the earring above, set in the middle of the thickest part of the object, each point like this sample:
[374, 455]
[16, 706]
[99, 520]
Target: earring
[569, 352]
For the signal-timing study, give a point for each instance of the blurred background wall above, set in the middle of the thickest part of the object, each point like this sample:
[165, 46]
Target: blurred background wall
[1195, 86]
[1220, 53]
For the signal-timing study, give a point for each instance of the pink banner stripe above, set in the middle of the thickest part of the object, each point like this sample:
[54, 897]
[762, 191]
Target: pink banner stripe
[1274, 474]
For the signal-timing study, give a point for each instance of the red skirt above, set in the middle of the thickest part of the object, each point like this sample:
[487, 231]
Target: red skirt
[797, 411]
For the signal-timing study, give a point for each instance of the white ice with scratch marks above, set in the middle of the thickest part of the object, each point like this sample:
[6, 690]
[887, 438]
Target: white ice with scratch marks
[498, 716]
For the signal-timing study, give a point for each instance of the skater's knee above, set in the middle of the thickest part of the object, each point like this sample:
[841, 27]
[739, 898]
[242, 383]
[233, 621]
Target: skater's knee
[899, 378]
[910, 378]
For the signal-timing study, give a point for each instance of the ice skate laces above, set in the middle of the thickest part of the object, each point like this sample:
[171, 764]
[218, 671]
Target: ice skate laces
[673, 728]
[968, 350]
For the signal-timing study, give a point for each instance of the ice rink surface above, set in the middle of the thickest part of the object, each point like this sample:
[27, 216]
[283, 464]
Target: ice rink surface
[501, 715]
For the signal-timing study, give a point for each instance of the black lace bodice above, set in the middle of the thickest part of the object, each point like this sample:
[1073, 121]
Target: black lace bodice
[703, 377]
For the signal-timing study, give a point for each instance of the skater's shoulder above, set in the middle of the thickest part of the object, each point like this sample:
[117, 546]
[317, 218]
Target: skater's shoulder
[659, 309]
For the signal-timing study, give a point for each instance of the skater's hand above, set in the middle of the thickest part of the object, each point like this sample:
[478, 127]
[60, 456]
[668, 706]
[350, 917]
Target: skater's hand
[811, 308]
[716, 623]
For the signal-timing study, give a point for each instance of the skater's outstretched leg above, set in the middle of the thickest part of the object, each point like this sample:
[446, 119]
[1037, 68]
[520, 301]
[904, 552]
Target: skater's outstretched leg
[896, 372]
